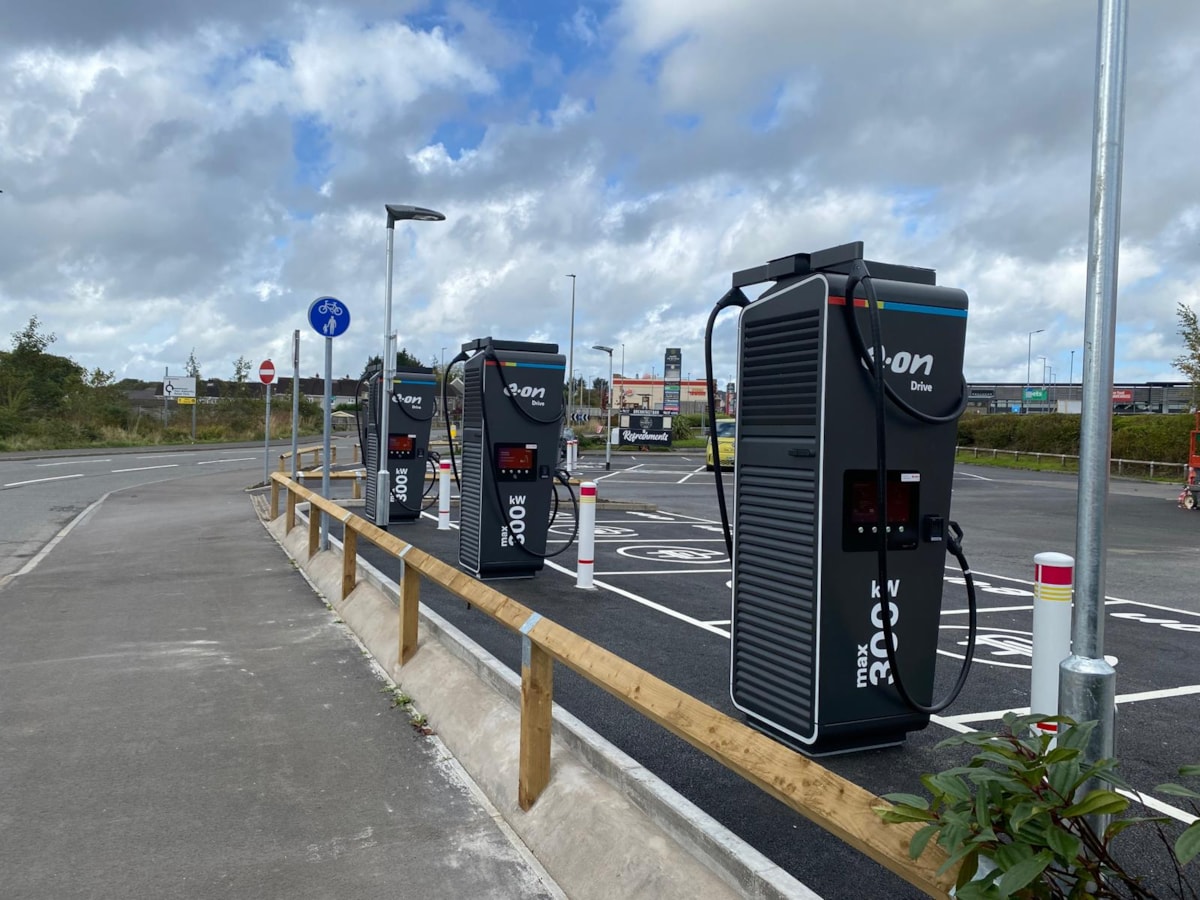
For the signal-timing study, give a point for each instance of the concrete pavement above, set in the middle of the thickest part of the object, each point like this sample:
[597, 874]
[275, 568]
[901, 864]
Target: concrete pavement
[181, 716]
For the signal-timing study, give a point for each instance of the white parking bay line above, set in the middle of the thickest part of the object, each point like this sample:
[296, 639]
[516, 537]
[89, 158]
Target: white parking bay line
[650, 604]
[675, 572]
[39, 480]
[145, 468]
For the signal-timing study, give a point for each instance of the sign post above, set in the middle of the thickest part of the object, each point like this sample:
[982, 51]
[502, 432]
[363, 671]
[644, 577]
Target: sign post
[329, 318]
[266, 374]
[295, 399]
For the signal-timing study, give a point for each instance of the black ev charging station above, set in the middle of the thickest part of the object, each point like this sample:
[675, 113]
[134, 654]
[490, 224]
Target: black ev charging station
[512, 417]
[819, 660]
[412, 398]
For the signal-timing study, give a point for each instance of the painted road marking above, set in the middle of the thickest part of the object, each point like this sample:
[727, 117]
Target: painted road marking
[235, 459]
[74, 462]
[660, 553]
[146, 468]
[39, 480]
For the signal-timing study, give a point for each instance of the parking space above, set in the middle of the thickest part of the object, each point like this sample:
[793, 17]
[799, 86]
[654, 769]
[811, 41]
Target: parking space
[675, 564]
[662, 600]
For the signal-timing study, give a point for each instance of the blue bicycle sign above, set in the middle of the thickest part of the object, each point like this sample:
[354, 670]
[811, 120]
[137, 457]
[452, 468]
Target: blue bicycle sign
[328, 316]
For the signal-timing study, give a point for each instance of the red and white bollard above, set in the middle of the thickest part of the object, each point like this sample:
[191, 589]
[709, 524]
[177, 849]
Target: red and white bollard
[444, 495]
[1053, 581]
[586, 541]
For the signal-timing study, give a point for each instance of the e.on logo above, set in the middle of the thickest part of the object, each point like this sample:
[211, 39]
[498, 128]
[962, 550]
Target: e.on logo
[905, 362]
[530, 393]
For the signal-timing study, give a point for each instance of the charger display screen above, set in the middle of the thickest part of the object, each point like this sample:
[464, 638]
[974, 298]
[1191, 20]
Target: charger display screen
[860, 510]
[516, 462]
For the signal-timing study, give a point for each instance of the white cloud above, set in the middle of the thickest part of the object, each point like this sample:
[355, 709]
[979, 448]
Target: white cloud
[197, 184]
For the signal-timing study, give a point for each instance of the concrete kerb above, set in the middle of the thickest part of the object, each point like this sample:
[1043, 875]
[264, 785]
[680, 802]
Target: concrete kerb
[605, 826]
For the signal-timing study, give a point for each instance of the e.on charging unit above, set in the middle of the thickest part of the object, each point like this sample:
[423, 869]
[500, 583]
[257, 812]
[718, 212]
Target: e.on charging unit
[814, 557]
[409, 418]
[512, 417]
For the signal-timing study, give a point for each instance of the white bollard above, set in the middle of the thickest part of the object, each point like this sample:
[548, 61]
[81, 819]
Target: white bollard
[587, 536]
[1053, 580]
[572, 454]
[444, 495]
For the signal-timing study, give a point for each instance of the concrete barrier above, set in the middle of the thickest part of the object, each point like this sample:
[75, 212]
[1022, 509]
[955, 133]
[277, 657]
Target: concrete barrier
[605, 826]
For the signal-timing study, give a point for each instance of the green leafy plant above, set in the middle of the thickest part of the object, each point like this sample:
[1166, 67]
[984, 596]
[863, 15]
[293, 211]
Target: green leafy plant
[1020, 819]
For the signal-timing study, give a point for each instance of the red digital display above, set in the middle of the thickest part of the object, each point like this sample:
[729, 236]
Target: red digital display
[863, 498]
[508, 458]
[400, 443]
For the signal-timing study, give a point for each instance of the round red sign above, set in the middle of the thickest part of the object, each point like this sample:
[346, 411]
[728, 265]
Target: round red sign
[266, 372]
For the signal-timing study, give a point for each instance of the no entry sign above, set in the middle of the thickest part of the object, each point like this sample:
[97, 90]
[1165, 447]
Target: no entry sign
[266, 372]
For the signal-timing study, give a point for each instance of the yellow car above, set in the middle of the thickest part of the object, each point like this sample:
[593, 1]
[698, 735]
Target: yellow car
[725, 432]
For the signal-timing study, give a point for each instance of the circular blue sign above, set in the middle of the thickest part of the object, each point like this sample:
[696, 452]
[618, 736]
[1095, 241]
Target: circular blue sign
[328, 316]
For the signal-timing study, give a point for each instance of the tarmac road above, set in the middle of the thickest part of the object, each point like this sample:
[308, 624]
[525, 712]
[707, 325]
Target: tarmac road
[664, 605]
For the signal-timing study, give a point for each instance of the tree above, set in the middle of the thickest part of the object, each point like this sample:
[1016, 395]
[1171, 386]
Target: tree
[241, 369]
[34, 381]
[1189, 330]
[192, 367]
[403, 358]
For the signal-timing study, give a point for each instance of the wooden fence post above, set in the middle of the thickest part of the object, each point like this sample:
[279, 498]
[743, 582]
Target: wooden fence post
[410, 599]
[349, 559]
[274, 499]
[314, 529]
[290, 523]
[537, 698]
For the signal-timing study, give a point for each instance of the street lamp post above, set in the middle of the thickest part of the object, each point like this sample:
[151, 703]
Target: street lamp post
[571, 358]
[387, 362]
[608, 408]
[1028, 362]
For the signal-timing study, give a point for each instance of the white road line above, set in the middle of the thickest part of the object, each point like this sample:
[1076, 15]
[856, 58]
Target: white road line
[970, 475]
[1109, 600]
[996, 715]
[674, 572]
[45, 551]
[627, 540]
[650, 604]
[145, 468]
[958, 723]
[209, 462]
[74, 462]
[985, 609]
[39, 480]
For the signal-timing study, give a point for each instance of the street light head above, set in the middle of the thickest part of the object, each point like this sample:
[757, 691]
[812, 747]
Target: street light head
[417, 213]
[603, 349]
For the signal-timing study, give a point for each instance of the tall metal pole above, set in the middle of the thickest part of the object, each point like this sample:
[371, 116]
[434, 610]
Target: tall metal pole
[295, 399]
[325, 451]
[1028, 360]
[608, 418]
[1087, 683]
[383, 492]
[267, 440]
[571, 359]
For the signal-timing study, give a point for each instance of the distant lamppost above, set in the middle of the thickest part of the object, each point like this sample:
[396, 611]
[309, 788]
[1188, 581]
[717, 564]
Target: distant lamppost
[608, 407]
[1028, 363]
[387, 362]
[571, 356]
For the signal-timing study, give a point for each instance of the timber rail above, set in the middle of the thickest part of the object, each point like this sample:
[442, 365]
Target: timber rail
[839, 806]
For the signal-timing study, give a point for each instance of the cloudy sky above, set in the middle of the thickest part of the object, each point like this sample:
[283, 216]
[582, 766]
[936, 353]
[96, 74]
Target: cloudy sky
[183, 176]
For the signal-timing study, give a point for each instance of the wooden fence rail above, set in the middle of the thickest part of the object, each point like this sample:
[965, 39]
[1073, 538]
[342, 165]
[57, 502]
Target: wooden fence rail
[837, 805]
[1116, 466]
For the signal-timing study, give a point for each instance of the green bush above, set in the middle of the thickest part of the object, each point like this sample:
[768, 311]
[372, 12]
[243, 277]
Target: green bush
[1156, 438]
[1017, 822]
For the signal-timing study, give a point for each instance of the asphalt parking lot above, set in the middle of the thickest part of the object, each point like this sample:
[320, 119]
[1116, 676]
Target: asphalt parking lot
[661, 600]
